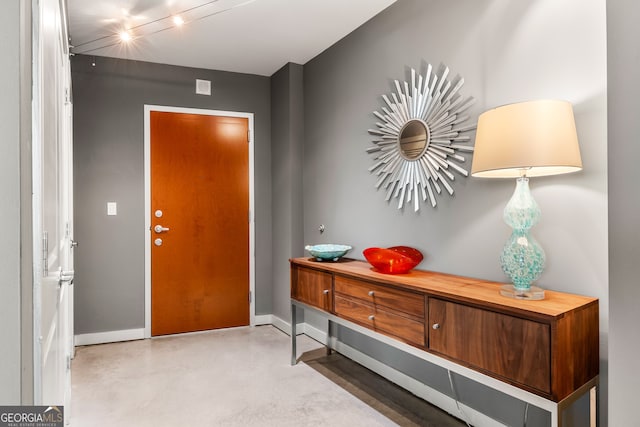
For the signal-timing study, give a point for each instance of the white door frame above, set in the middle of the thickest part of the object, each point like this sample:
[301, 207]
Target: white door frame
[147, 204]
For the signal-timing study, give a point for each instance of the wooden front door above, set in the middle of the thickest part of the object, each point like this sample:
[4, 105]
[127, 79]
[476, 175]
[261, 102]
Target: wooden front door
[199, 222]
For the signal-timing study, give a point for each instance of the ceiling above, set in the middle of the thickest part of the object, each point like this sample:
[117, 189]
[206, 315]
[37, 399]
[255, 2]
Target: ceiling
[246, 36]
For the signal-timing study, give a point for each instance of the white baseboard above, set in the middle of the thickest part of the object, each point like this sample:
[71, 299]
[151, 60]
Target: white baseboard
[314, 333]
[281, 324]
[138, 334]
[263, 319]
[107, 337]
[285, 326]
[303, 328]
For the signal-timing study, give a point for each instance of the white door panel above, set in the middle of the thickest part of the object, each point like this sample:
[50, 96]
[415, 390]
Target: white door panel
[53, 211]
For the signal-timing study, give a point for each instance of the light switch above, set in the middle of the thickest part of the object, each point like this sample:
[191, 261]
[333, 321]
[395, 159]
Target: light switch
[112, 208]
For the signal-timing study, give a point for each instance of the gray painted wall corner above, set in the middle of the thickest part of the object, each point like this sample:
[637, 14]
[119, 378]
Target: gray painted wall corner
[26, 204]
[287, 112]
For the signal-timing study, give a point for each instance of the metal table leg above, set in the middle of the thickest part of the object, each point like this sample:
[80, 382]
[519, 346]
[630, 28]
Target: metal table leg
[593, 406]
[328, 343]
[590, 387]
[294, 321]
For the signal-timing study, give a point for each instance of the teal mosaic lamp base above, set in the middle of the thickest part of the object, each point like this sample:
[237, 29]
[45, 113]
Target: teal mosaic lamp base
[522, 257]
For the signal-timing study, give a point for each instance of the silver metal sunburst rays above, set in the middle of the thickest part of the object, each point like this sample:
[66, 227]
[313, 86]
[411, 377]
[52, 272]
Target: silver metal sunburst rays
[419, 137]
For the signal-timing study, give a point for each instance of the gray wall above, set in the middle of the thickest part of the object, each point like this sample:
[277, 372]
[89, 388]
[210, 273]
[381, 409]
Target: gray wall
[287, 133]
[16, 260]
[109, 166]
[26, 203]
[10, 175]
[507, 52]
[624, 210]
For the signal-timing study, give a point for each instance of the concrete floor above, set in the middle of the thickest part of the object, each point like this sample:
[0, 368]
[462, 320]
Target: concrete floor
[236, 377]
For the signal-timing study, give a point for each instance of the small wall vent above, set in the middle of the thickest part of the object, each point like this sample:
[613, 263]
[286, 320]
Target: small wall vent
[203, 87]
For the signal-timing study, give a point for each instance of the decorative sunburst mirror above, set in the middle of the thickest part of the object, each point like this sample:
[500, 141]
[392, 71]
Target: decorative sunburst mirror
[420, 137]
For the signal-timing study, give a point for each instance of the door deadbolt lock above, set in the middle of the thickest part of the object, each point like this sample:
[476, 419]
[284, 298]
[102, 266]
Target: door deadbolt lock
[157, 242]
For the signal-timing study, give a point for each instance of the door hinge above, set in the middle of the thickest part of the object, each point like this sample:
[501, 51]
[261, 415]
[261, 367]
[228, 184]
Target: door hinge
[250, 297]
[249, 215]
[248, 135]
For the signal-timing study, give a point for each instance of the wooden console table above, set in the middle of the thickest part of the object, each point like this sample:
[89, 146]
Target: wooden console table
[543, 352]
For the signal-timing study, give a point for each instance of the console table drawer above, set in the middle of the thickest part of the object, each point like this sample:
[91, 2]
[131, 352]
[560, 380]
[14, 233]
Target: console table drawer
[396, 299]
[381, 320]
[312, 287]
[512, 348]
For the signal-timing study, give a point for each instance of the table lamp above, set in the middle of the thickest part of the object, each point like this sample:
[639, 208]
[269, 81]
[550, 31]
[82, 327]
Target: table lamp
[524, 140]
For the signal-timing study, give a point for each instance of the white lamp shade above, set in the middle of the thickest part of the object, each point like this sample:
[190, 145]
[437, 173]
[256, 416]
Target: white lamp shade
[537, 137]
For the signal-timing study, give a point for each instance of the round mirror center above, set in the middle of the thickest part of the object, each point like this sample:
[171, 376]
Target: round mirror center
[413, 139]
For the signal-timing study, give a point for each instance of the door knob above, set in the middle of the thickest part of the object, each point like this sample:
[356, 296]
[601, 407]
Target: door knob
[159, 229]
[65, 276]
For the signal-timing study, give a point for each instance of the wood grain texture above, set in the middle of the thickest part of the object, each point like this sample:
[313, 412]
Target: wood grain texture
[464, 289]
[408, 302]
[381, 320]
[575, 356]
[517, 350]
[312, 287]
[548, 347]
[200, 181]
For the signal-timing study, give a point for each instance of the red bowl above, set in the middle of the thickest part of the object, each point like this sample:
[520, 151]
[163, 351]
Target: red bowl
[393, 260]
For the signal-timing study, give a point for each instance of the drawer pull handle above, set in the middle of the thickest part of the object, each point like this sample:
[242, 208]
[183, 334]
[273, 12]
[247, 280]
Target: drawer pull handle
[371, 293]
[326, 292]
[436, 326]
[371, 317]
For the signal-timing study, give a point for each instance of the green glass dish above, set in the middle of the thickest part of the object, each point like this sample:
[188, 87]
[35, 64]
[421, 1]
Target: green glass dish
[328, 252]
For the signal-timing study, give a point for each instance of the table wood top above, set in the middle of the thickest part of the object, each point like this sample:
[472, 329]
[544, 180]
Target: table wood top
[474, 291]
